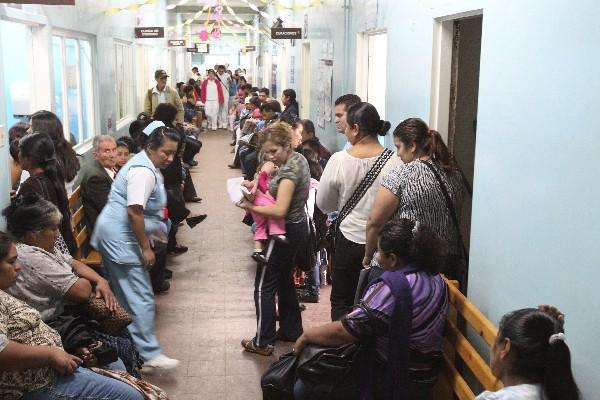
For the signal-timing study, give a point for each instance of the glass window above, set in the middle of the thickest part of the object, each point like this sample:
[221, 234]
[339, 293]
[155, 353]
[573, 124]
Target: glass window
[17, 61]
[74, 86]
[124, 80]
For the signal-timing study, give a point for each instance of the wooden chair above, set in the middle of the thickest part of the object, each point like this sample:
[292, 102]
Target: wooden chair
[81, 232]
[457, 347]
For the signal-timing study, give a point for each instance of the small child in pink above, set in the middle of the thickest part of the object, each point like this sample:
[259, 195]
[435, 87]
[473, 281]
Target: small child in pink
[265, 227]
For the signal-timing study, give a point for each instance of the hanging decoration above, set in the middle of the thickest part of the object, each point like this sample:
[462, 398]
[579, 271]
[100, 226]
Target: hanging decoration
[130, 7]
[298, 7]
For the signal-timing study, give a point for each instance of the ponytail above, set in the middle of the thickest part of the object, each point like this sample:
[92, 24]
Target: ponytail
[367, 118]
[539, 352]
[428, 141]
[413, 242]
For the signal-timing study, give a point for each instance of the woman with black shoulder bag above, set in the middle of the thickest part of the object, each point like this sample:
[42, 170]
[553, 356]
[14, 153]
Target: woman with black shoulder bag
[349, 184]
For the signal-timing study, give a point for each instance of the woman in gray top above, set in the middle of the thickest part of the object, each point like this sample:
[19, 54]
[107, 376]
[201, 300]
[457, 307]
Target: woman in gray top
[413, 191]
[290, 188]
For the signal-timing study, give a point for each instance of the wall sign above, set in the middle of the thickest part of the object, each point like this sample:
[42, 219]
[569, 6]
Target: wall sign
[249, 48]
[202, 48]
[286, 33]
[177, 43]
[150, 32]
[192, 50]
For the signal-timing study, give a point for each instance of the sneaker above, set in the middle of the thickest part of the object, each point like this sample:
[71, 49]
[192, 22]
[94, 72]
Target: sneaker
[160, 362]
[280, 238]
[251, 347]
[259, 257]
[307, 297]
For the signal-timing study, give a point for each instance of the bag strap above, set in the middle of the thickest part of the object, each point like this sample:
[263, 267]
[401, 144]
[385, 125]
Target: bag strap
[450, 206]
[364, 185]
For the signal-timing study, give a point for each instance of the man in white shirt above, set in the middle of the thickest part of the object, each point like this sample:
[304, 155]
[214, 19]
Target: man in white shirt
[225, 80]
[195, 75]
[342, 104]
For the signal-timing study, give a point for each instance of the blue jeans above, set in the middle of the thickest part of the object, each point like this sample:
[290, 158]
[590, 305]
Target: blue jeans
[314, 276]
[84, 384]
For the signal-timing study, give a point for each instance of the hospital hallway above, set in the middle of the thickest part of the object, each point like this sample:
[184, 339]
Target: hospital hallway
[210, 308]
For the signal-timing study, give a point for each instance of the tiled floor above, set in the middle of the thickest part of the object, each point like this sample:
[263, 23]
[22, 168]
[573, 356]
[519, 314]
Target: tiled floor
[210, 306]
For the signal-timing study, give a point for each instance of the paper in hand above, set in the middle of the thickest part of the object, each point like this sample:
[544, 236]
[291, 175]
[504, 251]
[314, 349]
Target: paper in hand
[234, 190]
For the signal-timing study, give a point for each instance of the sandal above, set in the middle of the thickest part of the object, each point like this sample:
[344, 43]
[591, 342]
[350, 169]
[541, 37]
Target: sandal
[251, 347]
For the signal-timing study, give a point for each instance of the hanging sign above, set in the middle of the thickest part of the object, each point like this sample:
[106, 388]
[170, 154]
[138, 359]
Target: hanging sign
[249, 48]
[202, 47]
[177, 43]
[192, 50]
[150, 32]
[46, 2]
[286, 33]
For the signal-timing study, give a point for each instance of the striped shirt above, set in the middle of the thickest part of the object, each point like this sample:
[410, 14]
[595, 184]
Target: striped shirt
[422, 200]
[430, 307]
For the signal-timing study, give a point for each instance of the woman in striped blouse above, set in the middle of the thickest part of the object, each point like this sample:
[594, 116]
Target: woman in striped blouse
[384, 332]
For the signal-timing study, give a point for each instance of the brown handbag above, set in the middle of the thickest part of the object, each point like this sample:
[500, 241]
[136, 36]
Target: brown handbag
[110, 323]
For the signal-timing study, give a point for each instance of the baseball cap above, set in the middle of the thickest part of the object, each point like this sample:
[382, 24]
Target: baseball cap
[160, 73]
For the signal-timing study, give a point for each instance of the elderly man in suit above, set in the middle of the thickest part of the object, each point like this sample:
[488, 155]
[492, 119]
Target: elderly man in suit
[97, 177]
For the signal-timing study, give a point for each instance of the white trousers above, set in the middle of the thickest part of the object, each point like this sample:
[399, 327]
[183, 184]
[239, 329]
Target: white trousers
[211, 108]
[224, 114]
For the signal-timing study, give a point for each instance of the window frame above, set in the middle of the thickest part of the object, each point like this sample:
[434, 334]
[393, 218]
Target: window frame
[127, 81]
[93, 125]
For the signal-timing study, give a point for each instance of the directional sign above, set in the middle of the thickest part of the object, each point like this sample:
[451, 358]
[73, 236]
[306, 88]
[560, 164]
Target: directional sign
[249, 48]
[286, 33]
[202, 47]
[177, 43]
[192, 49]
[149, 32]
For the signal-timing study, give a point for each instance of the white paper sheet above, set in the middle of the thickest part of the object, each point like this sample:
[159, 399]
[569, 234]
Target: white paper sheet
[234, 189]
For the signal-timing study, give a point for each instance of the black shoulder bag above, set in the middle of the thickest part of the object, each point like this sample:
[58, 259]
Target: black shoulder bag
[358, 194]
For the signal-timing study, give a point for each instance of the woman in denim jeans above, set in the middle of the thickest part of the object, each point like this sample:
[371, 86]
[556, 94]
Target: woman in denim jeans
[33, 364]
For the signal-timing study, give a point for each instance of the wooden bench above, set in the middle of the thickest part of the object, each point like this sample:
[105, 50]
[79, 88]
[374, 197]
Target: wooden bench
[81, 232]
[458, 350]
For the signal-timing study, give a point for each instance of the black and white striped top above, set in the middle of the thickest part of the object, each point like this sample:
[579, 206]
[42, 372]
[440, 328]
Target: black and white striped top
[422, 200]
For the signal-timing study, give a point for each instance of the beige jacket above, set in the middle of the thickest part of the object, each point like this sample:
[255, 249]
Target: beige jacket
[171, 97]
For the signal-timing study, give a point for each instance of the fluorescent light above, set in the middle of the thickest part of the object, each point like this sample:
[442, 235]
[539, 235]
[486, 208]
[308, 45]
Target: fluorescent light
[171, 7]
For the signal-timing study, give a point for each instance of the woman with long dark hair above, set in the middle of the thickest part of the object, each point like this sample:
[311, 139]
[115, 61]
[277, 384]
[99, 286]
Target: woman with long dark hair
[37, 156]
[348, 185]
[47, 122]
[399, 322]
[415, 190]
[291, 104]
[531, 357]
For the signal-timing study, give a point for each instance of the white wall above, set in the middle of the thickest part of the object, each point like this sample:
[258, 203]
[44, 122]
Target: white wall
[535, 207]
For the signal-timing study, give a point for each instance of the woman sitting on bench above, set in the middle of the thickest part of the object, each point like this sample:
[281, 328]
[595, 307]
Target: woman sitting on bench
[410, 292]
[531, 357]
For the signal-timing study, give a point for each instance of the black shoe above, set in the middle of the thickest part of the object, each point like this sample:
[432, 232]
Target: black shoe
[280, 238]
[193, 163]
[233, 166]
[161, 287]
[168, 273]
[259, 257]
[232, 143]
[193, 221]
[193, 200]
[177, 250]
[281, 338]
[307, 297]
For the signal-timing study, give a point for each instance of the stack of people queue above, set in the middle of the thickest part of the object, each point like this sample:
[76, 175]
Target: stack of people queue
[363, 207]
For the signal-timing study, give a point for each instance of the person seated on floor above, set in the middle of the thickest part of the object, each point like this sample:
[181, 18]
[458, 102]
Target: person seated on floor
[531, 357]
[410, 254]
[54, 284]
[96, 178]
[33, 364]
[125, 148]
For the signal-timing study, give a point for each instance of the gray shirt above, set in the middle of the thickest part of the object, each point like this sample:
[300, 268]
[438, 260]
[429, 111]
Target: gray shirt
[295, 169]
[44, 280]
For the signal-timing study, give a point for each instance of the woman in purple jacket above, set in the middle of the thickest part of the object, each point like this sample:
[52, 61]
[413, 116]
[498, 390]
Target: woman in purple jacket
[410, 254]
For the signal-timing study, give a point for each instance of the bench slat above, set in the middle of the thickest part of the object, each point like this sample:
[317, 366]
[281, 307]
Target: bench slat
[474, 317]
[75, 196]
[77, 217]
[81, 237]
[456, 381]
[471, 357]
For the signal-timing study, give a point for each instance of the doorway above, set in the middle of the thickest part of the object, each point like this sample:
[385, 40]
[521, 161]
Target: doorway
[371, 73]
[455, 94]
[305, 95]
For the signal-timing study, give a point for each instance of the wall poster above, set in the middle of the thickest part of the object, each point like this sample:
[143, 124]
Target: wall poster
[324, 93]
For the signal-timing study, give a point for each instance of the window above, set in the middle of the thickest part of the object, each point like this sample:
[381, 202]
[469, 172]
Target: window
[124, 80]
[17, 60]
[74, 86]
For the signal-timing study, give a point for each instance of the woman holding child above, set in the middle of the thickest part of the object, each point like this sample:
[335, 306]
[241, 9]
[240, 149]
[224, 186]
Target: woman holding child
[289, 187]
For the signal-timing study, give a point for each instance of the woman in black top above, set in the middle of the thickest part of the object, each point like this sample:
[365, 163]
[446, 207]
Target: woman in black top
[37, 156]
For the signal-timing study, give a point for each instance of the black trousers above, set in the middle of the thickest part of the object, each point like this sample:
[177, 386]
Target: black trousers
[347, 264]
[276, 277]
[189, 190]
[157, 272]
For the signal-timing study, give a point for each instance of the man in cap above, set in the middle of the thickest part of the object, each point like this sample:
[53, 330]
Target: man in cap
[161, 93]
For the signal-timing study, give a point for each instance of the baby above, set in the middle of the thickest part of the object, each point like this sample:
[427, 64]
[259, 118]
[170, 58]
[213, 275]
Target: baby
[265, 227]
